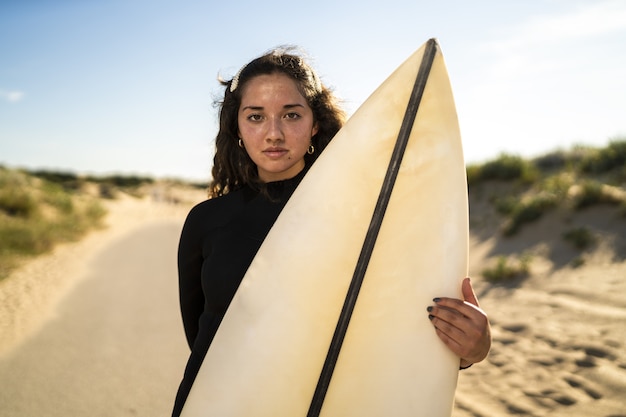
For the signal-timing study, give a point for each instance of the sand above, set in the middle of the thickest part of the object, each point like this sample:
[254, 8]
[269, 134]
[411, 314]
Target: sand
[94, 329]
[559, 335]
[29, 295]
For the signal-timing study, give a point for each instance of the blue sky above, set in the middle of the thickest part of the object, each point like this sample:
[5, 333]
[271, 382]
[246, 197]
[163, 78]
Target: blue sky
[117, 86]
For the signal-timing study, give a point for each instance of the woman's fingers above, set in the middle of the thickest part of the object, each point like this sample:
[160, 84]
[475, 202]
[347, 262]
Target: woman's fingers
[462, 325]
[468, 292]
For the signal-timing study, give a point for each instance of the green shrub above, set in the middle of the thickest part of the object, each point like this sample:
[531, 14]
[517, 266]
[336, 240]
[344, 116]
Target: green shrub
[592, 192]
[605, 159]
[504, 168]
[507, 270]
[506, 205]
[67, 180]
[553, 161]
[16, 197]
[57, 197]
[122, 181]
[17, 202]
[24, 238]
[557, 185]
[36, 214]
[528, 211]
[574, 179]
[94, 212]
[55, 176]
[580, 237]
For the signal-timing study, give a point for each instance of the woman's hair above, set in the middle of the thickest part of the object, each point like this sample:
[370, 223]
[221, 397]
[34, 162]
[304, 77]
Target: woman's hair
[232, 167]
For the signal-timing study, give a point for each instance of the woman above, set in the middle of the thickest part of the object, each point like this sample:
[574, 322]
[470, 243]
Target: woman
[275, 119]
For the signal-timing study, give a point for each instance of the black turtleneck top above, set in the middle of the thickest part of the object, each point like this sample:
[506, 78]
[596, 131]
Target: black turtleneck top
[219, 239]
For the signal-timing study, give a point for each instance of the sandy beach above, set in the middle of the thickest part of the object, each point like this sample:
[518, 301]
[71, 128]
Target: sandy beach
[93, 328]
[29, 296]
[559, 335]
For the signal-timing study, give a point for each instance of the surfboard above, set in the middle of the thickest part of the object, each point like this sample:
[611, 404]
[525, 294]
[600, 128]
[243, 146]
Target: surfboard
[330, 319]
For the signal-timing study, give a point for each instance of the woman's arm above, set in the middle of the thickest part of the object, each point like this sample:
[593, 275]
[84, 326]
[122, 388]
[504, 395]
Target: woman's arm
[189, 282]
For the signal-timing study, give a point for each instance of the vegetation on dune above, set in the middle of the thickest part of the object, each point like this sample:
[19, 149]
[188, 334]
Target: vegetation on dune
[107, 185]
[42, 208]
[571, 180]
[504, 168]
[508, 269]
[579, 237]
[521, 191]
[606, 160]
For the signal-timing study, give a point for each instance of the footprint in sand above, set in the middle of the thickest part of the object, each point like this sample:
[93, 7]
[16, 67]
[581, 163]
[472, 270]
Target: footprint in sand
[599, 352]
[583, 385]
[592, 354]
[515, 328]
[546, 360]
[547, 398]
[547, 340]
[587, 362]
[596, 351]
[504, 341]
[563, 399]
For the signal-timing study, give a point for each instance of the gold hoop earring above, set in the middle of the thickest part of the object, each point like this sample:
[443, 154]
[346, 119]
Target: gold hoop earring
[311, 150]
[240, 143]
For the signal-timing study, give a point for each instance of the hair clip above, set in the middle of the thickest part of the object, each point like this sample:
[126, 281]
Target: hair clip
[235, 81]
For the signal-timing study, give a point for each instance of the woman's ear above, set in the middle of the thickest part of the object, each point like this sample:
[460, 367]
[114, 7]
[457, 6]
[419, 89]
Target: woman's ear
[315, 129]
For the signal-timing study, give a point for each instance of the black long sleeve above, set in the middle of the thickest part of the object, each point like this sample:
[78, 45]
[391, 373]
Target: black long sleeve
[218, 242]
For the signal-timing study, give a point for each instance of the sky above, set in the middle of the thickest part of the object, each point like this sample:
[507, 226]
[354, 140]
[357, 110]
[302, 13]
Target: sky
[128, 86]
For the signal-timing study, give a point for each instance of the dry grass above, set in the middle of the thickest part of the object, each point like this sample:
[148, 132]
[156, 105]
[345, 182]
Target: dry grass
[36, 214]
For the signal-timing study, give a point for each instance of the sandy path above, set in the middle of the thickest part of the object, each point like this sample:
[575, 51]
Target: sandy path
[99, 333]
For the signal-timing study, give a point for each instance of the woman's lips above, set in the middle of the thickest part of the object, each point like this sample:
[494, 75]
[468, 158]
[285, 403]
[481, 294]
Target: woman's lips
[275, 153]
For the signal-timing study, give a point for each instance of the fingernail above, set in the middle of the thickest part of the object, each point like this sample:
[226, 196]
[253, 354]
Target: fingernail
[429, 309]
[430, 317]
[437, 299]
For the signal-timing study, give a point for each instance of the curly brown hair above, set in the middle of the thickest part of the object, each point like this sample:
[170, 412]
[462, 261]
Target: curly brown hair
[232, 167]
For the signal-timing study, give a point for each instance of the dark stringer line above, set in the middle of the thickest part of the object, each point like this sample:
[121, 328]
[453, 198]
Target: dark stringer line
[374, 227]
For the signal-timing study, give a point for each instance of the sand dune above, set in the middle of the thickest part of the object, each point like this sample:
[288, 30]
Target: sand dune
[559, 345]
[559, 335]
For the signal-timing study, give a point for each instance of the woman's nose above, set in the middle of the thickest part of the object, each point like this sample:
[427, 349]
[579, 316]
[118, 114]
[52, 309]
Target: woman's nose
[274, 130]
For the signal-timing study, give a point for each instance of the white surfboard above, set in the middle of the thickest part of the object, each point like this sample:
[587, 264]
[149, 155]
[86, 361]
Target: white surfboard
[273, 344]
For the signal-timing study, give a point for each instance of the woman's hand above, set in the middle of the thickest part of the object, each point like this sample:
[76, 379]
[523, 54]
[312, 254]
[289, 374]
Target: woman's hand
[462, 325]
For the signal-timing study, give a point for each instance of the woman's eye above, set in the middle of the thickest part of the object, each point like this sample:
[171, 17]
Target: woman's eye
[254, 117]
[292, 115]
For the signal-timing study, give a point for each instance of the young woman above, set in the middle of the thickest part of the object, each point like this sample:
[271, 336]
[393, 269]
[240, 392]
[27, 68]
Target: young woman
[275, 119]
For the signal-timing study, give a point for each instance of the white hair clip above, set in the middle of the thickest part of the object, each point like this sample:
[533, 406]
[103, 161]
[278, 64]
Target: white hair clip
[235, 81]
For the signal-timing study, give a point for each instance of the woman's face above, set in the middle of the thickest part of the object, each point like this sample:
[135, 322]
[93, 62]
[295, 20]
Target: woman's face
[276, 125]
